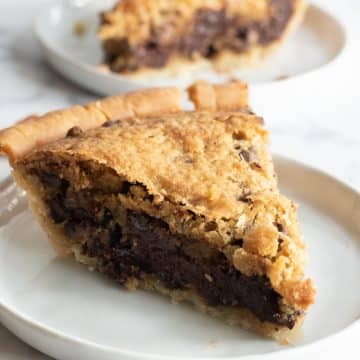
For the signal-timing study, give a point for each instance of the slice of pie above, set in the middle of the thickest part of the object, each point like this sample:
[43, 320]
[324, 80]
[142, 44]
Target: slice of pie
[154, 34]
[184, 203]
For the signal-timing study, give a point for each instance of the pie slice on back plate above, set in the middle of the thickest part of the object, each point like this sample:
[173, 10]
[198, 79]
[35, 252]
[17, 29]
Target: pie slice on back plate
[181, 202]
[173, 35]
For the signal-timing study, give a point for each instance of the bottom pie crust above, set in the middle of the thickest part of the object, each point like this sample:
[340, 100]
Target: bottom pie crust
[232, 316]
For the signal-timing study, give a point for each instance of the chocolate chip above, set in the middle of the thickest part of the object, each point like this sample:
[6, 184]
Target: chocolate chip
[71, 228]
[138, 221]
[110, 123]
[239, 135]
[242, 33]
[237, 242]
[281, 228]
[125, 187]
[74, 132]
[250, 155]
[245, 155]
[255, 165]
[192, 215]
[116, 234]
[151, 45]
[79, 214]
[211, 226]
[245, 196]
[53, 182]
[107, 218]
[211, 51]
[50, 180]
[246, 199]
[57, 209]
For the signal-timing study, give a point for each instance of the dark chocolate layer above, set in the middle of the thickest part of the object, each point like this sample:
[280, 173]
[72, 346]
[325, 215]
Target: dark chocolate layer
[210, 32]
[134, 245]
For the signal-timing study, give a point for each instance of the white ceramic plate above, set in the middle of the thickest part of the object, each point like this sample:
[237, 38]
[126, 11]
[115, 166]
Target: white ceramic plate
[64, 310]
[318, 41]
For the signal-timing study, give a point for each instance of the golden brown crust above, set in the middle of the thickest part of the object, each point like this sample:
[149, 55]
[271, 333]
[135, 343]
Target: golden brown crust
[36, 131]
[187, 139]
[230, 97]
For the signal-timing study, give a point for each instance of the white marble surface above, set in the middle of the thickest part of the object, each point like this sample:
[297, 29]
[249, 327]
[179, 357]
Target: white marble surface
[318, 123]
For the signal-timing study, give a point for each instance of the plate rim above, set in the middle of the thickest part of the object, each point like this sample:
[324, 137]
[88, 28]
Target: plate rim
[67, 60]
[282, 353]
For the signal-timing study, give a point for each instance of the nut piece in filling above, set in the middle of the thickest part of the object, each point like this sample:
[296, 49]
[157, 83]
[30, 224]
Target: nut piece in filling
[153, 34]
[184, 203]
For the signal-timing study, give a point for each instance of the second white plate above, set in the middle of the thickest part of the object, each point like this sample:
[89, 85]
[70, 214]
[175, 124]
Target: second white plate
[317, 42]
[62, 309]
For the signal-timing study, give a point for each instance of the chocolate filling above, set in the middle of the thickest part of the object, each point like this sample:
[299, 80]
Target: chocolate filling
[210, 32]
[134, 245]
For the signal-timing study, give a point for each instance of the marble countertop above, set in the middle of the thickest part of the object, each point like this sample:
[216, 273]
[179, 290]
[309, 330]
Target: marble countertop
[319, 125]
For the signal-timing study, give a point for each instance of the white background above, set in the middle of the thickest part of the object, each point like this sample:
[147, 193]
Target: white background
[314, 119]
